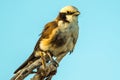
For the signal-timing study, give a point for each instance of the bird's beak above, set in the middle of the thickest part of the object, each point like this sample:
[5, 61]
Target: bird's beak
[77, 13]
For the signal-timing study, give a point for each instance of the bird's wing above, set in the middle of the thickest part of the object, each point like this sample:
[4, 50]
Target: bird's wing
[48, 30]
[45, 34]
[30, 58]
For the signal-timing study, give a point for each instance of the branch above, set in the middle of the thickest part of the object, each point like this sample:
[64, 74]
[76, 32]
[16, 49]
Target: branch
[51, 69]
[20, 75]
[41, 73]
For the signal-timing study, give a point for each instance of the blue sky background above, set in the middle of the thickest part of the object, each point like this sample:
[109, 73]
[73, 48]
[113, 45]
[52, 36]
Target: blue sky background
[97, 53]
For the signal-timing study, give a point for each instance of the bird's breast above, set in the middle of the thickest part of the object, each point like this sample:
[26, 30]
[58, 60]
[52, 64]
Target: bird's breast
[61, 39]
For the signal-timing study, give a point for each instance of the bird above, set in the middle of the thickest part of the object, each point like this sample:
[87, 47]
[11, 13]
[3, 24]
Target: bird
[58, 37]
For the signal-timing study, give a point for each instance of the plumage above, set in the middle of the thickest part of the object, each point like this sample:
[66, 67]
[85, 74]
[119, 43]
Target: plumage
[59, 36]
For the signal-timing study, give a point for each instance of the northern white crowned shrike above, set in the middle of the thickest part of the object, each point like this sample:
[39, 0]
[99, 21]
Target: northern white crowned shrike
[58, 37]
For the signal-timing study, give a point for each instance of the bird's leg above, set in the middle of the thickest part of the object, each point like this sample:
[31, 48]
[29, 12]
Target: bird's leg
[43, 67]
[54, 62]
[42, 55]
[43, 59]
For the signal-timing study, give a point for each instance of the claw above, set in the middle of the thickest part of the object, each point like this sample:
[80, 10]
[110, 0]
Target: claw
[55, 63]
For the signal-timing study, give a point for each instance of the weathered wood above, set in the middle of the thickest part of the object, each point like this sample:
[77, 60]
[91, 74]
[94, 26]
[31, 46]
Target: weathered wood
[41, 73]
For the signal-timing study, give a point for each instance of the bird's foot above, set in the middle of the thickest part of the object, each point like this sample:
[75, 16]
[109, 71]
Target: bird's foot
[43, 71]
[55, 63]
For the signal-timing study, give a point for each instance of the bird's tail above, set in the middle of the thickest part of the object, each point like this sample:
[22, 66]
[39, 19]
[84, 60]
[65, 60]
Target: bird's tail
[31, 58]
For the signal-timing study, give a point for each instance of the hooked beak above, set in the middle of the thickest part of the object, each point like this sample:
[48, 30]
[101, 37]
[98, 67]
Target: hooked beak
[77, 13]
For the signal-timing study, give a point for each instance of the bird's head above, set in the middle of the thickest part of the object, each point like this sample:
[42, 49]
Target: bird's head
[69, 13]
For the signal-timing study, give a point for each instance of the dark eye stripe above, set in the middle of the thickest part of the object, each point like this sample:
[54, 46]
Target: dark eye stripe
[70, 13]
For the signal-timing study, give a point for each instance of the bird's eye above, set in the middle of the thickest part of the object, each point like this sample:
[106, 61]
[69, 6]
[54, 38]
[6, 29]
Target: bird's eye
[69, 13]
